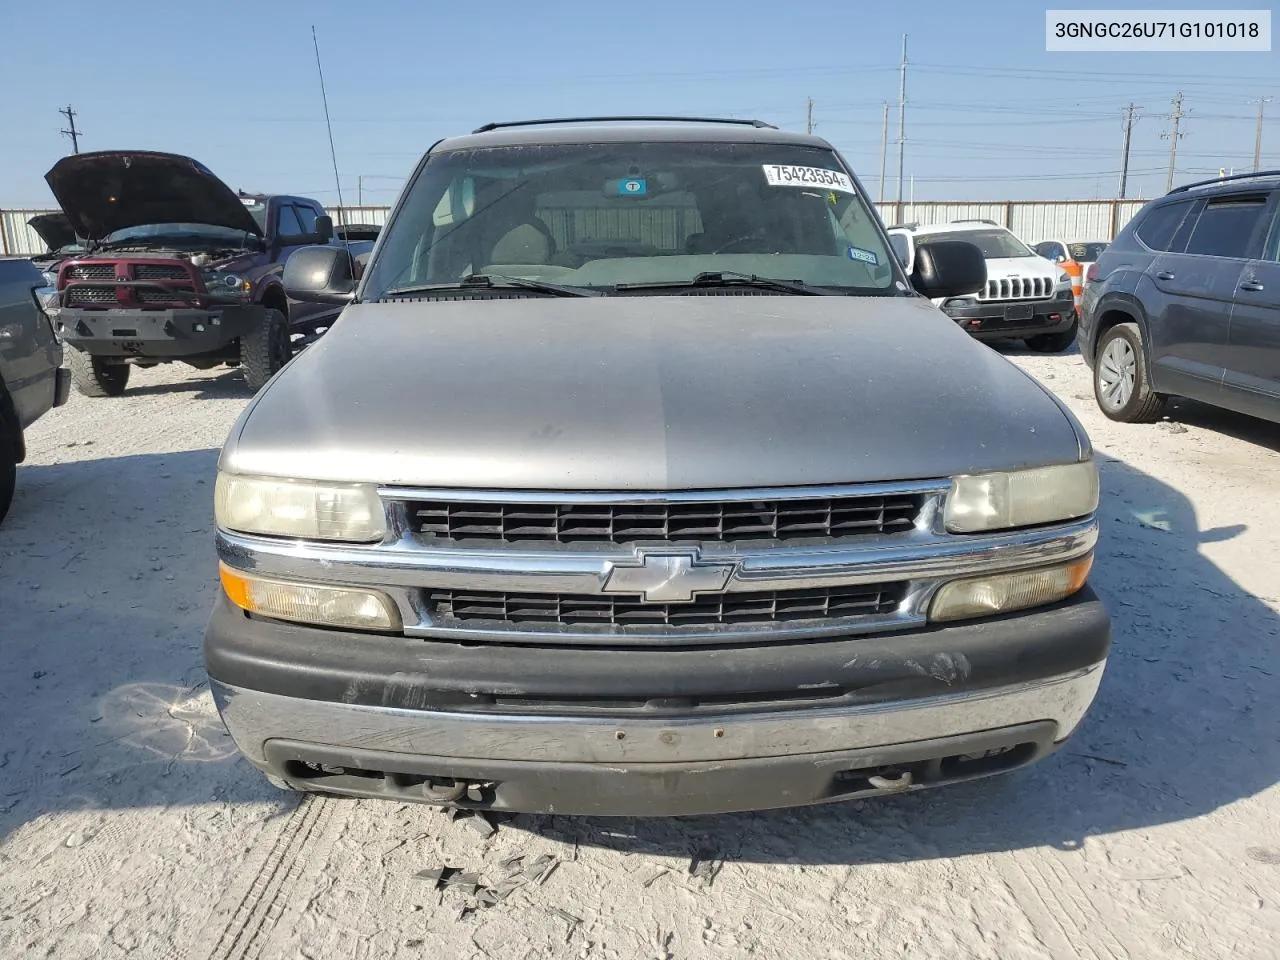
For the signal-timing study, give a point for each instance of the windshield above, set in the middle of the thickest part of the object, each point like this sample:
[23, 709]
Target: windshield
[651, 213]
[1086, 252]
[994, 244]
[194, 232]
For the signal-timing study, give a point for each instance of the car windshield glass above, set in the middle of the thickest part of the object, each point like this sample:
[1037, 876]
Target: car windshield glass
[599, 215]
[198, 232]
[994, 244]
[1086, 252]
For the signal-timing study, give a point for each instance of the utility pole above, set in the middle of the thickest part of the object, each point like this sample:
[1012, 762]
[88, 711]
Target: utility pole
[73, 133]
[884, 147]
[1173, 137]
[1257, 135]
[1130, 117]
[902, 122]
[360, 190]
[808, 126]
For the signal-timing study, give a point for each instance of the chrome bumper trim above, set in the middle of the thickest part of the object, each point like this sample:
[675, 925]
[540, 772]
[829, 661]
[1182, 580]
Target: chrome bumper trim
[253, 718]
[403, 568]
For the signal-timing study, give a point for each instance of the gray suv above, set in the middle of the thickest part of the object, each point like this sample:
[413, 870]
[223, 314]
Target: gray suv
[637, 478]
[32, 378]
[1186, 302]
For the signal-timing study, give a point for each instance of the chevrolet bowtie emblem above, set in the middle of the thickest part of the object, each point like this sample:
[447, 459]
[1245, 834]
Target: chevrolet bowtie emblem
[667, 577]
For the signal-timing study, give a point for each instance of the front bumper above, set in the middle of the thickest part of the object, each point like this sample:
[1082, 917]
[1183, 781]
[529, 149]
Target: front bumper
[990, 321]
[160, 334]
[654, 732]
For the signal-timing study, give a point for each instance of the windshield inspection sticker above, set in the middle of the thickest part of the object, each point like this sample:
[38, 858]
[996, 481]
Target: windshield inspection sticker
[633, 187]
[782, 175]
[866, 256]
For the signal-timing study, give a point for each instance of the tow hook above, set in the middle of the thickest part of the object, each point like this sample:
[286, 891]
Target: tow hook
[441, 792]
[895, 780]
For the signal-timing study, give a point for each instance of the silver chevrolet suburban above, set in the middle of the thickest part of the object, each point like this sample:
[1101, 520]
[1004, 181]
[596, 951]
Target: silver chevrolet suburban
[636, 478]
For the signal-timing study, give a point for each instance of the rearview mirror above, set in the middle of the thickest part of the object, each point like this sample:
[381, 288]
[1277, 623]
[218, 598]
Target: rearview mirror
[320, 275]
[948, 268]
[324, 228]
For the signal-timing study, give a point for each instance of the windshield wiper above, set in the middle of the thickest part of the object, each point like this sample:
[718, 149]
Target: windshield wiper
[494, 281]
[731, 278]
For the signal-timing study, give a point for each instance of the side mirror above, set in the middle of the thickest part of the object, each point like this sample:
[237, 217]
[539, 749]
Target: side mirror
[948, 268]
[324, 228]
[320, 275]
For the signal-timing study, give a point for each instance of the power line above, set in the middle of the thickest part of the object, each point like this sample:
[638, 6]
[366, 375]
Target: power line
[73, 133]
[1173, 137]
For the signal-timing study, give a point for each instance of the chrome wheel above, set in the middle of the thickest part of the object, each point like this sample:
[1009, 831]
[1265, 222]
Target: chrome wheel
[1117, 374]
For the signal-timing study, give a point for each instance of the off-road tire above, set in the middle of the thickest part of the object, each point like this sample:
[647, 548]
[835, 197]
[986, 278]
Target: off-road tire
[1142, 405]
[8, 466]
[96, 376]
[265, 349]
[1054, 342]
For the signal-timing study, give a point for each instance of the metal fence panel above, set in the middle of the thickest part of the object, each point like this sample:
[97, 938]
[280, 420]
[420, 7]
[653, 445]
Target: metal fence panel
[18, 239]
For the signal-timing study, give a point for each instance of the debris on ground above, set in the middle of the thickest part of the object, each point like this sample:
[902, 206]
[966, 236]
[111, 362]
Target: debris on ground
[481, 824]
[1172, 426]
[705, 867]
[653, 877]
[568, 918]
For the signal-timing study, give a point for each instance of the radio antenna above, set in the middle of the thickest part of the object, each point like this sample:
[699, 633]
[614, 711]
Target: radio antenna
[333, 153]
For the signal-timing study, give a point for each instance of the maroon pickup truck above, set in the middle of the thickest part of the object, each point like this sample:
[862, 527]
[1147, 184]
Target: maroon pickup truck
[178, 268]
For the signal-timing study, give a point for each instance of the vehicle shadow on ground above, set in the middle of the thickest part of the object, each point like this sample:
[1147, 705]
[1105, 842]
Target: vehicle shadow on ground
[214, 384]
[1262, 433]
[107, 580]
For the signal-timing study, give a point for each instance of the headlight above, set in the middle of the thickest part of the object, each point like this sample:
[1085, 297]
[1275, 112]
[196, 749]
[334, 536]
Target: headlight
[226, 284]
[1024, 498]
[297, 508]
[1064, 279]
[51, 278]
[310, 603]
[999, 593]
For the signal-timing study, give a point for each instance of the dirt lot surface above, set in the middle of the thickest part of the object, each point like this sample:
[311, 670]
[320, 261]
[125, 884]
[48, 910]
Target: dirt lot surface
[129, 827]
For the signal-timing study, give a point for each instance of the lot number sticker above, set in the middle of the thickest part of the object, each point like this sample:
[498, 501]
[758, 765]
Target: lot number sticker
[781, 175]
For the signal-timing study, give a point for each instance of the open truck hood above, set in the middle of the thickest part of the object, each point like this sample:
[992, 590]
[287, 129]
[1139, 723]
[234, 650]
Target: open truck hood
[112, 189]
[54, 229]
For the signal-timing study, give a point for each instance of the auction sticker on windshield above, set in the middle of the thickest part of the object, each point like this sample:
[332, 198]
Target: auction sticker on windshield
[783, 175]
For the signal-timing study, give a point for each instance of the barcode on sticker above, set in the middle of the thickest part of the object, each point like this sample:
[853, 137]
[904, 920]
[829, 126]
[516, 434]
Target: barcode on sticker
[782, 175]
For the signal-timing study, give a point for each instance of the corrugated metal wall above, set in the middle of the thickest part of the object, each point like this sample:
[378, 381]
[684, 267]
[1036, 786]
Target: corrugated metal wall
[1033, 221]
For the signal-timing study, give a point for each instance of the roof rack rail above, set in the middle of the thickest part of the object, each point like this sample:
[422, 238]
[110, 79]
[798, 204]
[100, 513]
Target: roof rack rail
[903, 226]
[1255, 174]
[760, 124]
[977, 220]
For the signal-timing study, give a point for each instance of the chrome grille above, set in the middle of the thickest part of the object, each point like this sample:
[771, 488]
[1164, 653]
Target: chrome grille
[91, 295]
[625, 523]
[1018, 288]
[160, 271]
[506, 611]
[91, 271]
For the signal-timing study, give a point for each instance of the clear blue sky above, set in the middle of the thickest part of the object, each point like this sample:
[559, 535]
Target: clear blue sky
[990, 114]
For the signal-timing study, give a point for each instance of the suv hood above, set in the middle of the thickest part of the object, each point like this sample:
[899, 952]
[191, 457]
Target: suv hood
[648, 393]
[1001, 267]
[54, 229]
[110, 190]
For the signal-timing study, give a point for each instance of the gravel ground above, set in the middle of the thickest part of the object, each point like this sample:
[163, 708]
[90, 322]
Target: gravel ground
[129, 827]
